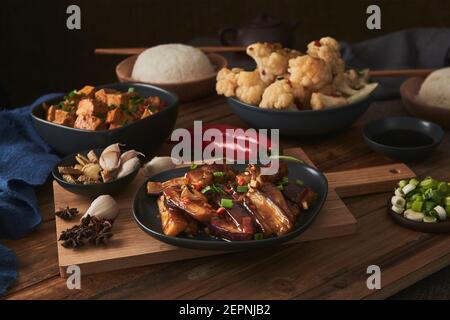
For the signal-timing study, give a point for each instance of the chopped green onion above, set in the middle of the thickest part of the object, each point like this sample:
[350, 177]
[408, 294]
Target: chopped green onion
[300, 182]
[447, 201]
[417, 206]
[414, 182]
[218, 174]
[242, 189]
[194, 166]
[207, 189]
[427, 183]
[284, 180]
[443, 187]
[217, 190]
[402, 183]
[280, 187]
[258, 236]
[226, 203]
[429, 219]
[131, 89]
[72, 93]
[429, 206]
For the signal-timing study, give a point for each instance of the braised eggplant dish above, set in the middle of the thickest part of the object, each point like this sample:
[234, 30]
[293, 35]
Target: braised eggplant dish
[215, 200]
[103, 109]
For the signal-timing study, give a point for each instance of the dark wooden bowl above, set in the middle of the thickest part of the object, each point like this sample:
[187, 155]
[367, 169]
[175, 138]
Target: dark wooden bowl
[409, 91]
[186, 91]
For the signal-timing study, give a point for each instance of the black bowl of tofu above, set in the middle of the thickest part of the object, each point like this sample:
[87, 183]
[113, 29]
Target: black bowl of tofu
[100, 116]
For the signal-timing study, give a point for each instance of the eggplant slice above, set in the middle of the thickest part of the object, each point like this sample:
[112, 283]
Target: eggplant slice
[272, 217]
[300, 195]
[173, 221]
[227, 230]
[199, 210]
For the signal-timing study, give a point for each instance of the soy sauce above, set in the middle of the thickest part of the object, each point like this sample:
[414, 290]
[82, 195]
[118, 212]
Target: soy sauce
[403, 139]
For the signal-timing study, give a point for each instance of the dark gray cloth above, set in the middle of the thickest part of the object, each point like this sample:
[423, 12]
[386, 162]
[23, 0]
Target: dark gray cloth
[412, 48]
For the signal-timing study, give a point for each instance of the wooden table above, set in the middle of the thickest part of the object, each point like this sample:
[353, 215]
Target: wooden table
[332, 268]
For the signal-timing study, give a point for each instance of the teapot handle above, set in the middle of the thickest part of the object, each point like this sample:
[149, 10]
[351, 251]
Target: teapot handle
[227, 36]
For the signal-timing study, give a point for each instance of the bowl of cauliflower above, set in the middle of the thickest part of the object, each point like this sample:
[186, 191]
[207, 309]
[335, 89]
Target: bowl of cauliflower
[299, 94]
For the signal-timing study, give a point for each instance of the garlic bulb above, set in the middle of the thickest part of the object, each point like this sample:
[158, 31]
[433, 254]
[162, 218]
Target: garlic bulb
[127, 155]
[128, 167]
[92, 156]
[110, 158]
[157, 165]
[104, 207]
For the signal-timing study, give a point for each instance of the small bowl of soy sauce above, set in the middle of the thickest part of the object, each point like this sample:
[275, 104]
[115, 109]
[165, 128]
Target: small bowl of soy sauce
[403, 138]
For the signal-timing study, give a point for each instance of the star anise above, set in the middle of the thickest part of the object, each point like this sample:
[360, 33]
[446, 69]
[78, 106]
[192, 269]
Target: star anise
[67, 213]
[91, 231]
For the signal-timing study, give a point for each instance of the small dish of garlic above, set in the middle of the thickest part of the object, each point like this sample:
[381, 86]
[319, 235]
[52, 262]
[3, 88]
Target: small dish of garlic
[99, 171]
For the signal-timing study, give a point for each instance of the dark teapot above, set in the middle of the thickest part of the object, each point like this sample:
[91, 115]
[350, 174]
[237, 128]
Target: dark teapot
[263, 28]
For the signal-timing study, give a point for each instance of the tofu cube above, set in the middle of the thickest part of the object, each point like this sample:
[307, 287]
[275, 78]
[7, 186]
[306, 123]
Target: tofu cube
[90, 107]
[87, 122]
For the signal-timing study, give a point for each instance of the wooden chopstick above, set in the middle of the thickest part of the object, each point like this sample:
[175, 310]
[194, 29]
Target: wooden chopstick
[401, 73]
[133, 51]
[372, 73]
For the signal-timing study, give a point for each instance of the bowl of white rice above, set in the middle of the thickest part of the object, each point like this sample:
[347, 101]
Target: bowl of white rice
[429, 98]
[181, 69]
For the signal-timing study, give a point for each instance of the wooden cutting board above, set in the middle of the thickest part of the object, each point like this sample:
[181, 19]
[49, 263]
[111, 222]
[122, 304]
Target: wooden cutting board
[131, 247]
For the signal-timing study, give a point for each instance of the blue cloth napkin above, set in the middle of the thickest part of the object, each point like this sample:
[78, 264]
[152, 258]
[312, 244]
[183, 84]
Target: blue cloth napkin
[25, 161]
[427, 48]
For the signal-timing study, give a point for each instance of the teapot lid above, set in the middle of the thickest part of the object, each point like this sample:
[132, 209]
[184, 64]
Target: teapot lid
[264, 21]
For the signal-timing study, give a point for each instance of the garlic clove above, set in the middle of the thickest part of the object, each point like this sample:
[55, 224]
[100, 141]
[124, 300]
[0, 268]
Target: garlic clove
[107, 176]
[127, 155]
[92, 156]
[103, 207]
[110, 158]
[157, 165]
[128, 167]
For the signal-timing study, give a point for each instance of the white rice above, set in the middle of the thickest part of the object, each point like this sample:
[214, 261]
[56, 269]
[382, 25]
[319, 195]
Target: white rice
[435, 90]
[171, 63]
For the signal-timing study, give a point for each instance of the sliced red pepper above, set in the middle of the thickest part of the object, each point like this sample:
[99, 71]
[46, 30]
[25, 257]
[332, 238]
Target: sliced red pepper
[240, 143]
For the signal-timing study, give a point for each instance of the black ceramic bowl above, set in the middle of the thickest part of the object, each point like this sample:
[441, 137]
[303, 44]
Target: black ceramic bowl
[437, 227]
[91, 190]
[301, 122]
[146, 213]
[144, 135]
[379, 127]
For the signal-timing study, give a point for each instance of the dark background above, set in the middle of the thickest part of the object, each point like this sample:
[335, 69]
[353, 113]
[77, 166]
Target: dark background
[40, 55]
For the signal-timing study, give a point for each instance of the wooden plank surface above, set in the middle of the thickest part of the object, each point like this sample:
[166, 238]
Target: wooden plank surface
[131, 247]
[330, 268]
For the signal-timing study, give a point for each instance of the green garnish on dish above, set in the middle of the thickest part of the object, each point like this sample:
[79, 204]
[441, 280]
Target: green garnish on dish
[425, 201]
[226, 203]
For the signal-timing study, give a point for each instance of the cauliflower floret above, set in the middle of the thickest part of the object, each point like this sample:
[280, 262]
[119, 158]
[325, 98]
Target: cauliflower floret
[321, 101]
[250, 87]
[227, 81]
[310, 72]
[357, 79]
[350, 82]
[328, 49]
[278, 96]
[271, 59]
